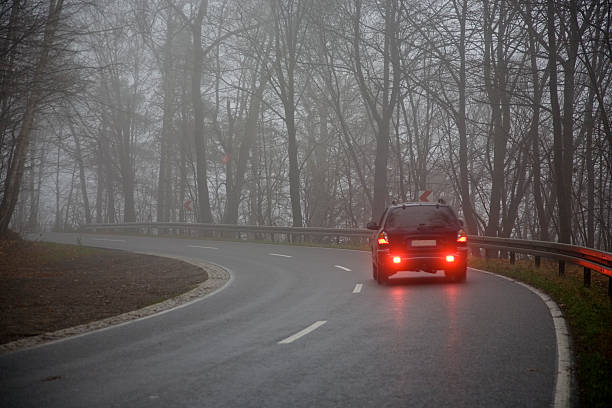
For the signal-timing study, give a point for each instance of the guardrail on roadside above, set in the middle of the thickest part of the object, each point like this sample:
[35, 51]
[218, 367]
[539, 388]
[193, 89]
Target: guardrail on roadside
[273, 233]
[590, 259]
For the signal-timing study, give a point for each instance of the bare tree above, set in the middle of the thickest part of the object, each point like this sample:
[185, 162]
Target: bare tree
[289, 31]
[450, 87]
[257, 87]
[380, 101]
[17, 164]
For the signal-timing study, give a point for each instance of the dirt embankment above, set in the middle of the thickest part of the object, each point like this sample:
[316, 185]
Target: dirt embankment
[46, 287]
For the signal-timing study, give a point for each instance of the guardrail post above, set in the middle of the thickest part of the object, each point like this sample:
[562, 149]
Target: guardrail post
[476, 252]
[512, 258]
[587, 277]
[537, 261]
[561, 268]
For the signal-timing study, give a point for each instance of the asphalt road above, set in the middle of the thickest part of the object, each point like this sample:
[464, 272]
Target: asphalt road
[304, 327]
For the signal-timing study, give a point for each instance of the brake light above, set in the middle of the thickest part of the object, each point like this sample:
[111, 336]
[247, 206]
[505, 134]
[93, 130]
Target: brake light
[461, 236]
[383, 239]
[450, 258]
[397, 259]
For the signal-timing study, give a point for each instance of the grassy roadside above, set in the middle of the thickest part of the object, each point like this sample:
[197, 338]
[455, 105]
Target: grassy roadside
[588, 312]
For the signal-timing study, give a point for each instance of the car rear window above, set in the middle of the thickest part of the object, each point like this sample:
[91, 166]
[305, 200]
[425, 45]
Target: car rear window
[410, 217]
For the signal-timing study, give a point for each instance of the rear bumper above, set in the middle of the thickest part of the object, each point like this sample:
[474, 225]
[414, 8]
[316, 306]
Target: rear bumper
[430, 262]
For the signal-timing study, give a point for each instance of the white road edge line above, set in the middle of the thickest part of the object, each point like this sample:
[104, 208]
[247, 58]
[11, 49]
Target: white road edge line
[562, 397]
[108, 239]
[304, 332]
[139, 319]
[358, 288]
[342, 267]
[282, 255]
[203, 247]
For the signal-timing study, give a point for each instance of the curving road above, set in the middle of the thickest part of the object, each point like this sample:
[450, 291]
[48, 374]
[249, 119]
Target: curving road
[307, 327]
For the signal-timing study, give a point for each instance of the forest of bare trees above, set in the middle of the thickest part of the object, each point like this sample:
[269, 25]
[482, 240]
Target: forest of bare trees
[307, 113]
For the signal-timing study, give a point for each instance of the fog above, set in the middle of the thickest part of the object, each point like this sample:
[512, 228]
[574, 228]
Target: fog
[307, 113]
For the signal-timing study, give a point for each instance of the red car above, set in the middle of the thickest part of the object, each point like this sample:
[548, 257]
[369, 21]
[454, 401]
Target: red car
[424, 237]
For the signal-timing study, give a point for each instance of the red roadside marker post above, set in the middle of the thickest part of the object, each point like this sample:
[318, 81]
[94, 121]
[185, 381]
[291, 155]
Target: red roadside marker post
[187, 206]
[423, 197]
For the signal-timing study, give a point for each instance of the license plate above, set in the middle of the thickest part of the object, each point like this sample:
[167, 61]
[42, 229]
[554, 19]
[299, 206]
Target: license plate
[423, 243]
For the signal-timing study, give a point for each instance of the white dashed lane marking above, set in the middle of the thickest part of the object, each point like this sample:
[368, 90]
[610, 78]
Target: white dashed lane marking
[109, 240]
[342, 267]
[358, 288]
[304, 332]
[202, 247]
[282, 255]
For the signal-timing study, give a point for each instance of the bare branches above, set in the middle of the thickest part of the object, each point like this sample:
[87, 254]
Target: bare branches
[312, 111]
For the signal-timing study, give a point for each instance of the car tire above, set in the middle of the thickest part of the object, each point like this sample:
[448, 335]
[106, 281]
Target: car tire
[381, 277]
[460, 275]
[374, 273]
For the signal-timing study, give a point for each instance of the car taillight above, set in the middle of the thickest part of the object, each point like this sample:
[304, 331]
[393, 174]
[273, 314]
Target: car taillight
[397, 259]
[461, 237]
[383, 239]
[450, 258]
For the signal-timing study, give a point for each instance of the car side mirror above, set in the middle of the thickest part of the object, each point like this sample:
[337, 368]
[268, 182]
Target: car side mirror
[372, 225]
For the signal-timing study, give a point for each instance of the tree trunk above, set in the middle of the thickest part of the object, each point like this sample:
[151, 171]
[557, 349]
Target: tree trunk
[390, 93]
[567, 138]
[294, 170]
[163, 184]
[542, 215]
[203, 203]
[230, 215]
[58, 210]
[320, 187]
[66, 225]
[34, 192]
[183, 158]
[400, 162]
[556, 117]
[590, 168]
[100, 181]
[126, 165]
[110, 215]
[82, 178]
[497, 93]
[287, 20]
[562, 129]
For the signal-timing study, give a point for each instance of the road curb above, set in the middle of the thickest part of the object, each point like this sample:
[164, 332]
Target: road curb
[563, 381]
[218, 278]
